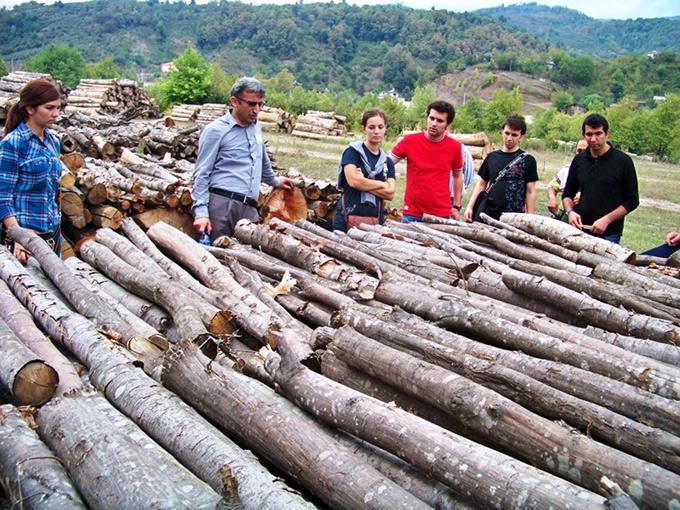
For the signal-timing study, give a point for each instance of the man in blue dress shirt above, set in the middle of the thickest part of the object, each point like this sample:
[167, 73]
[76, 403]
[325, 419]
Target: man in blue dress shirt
[231, 164]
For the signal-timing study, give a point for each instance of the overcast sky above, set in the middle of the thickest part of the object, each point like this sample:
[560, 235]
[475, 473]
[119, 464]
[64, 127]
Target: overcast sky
[594, 9]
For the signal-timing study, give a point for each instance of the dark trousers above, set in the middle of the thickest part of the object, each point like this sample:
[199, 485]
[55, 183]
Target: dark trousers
[225, 212]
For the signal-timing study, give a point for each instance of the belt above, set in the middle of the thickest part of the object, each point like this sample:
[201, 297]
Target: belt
[234, 196]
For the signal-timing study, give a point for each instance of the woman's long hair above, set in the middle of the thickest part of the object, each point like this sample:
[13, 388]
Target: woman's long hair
[34, 93]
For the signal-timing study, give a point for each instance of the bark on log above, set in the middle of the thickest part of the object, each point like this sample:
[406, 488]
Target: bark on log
[595, 312]
[499, 242]
[33, 478]
[293, 251]
[250, 313]
[145, 310]
[28, 379]
[428, 447]
[568, 236]
[82, 300]
[662, 352]
[454, 314]
[622, 398]
[492, 369]
[215, 320]
[162, 291]
[21, 323]
[90, 444]
[516, 430]
[267, 425]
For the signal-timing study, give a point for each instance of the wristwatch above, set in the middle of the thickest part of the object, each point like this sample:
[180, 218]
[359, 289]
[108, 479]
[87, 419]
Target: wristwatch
[456, 207]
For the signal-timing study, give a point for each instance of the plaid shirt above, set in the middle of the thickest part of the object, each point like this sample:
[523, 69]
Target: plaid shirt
[29, 179]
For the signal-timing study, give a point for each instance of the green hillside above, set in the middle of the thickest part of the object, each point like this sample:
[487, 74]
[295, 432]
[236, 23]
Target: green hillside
[321, 44]
[575, 32]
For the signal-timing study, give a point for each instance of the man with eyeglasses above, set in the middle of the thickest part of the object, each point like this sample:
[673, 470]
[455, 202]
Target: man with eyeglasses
[232, 162]
[556, 186]
[606, 178]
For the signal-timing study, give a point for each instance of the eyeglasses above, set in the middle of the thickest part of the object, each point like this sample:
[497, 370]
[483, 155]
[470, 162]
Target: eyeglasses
[252, 104]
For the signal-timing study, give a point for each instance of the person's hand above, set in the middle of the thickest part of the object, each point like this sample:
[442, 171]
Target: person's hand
[468, 214]
[575, 219]
[455, 213]
[285, 183]
[20, 253]
[673, 238]
[552, 204]
[576, 199]
[203, 225]
[600, 225]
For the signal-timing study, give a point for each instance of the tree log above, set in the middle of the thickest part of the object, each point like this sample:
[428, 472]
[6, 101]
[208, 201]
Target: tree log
[250, 313]
[595, 312]
[454, 314]
[568, 236]
[33, 478]
[268, 424]
[21, 323]
[28, 379]
[663, 352]
[428, 447]
[89, 443]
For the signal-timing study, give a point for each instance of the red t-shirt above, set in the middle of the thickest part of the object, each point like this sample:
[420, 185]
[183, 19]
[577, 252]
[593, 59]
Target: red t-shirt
[428, 173]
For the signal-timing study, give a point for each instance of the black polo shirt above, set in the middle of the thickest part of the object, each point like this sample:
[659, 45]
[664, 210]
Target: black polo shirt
[605, 183]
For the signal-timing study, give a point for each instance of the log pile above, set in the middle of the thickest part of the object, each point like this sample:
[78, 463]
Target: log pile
[123, 97]
[11, 85]
[320, 125]
[209, 112]
[514, 364]
[182, 114]
[275, 119]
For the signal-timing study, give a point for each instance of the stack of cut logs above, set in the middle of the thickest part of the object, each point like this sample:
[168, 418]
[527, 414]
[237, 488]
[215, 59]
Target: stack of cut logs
[100, 193]
[275, 120]
[112, 97]
[78, 133]
[11, 84]
[514, 364]
[320, 125]
[183, 114]
[210, 112]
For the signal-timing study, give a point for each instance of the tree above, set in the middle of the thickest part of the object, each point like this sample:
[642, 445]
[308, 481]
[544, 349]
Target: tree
[63, 63]
[561, 100]
[190, 83]
[220, 85]
[502, 104]
[105, 68]
[3, 68]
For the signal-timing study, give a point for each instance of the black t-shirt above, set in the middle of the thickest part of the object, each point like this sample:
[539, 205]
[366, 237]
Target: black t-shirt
[605, 183]
[352, 196]
[509, 193]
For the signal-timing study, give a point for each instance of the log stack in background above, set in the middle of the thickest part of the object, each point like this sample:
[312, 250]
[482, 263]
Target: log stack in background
[112, 97]
[209, 112]
[320, 125]
[11, 84]
[182, 114]
[275, 120]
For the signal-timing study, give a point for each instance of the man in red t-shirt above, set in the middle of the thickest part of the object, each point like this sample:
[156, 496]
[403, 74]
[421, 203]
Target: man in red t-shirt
[432, 157]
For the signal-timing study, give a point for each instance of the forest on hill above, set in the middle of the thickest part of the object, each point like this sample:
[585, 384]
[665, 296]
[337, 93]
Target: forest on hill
[575, 32]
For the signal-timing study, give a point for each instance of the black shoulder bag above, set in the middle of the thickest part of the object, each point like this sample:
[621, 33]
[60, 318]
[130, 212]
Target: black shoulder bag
[482, 203]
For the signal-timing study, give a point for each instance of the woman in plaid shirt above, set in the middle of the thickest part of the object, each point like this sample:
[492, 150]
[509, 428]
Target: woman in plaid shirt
[29, 165]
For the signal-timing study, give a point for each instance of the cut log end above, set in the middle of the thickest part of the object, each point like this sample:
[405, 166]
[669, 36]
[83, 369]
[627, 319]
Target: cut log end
[35, 384]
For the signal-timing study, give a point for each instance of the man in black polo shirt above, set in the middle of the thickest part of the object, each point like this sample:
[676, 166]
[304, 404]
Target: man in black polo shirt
[606, 178]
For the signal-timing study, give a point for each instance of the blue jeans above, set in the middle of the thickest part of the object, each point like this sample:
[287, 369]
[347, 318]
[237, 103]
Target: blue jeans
[664, 251]
[613, 238]
[406, 218]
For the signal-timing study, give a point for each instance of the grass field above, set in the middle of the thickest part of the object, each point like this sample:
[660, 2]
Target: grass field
[659, 210]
